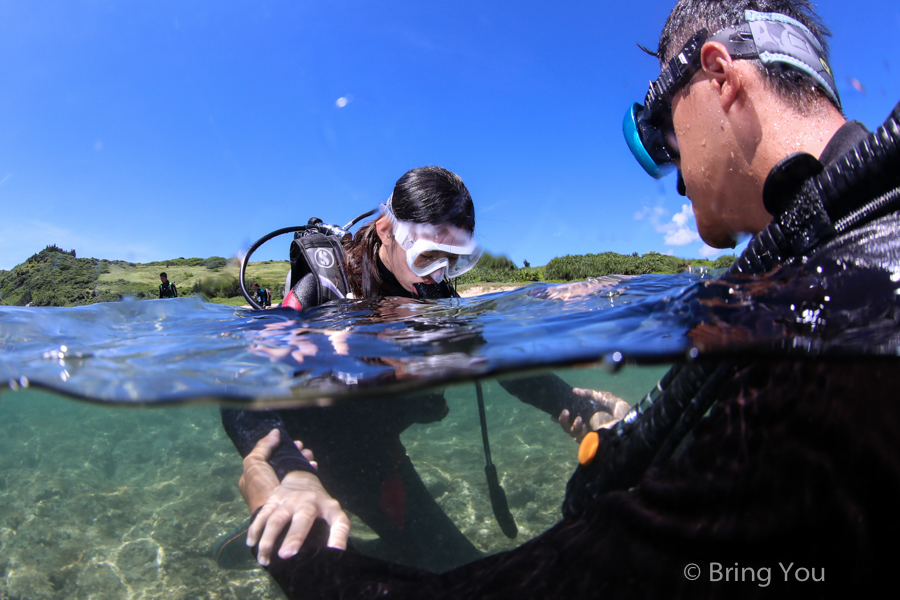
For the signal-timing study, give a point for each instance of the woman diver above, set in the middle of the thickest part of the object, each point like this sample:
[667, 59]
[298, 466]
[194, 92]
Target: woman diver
[422, 237]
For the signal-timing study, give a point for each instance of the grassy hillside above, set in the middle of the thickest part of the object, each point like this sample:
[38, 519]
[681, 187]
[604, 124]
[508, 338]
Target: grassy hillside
[54, 277]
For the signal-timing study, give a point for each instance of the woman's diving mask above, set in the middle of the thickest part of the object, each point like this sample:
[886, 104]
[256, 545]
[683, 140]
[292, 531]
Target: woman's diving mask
[773, 38]
[437, 250]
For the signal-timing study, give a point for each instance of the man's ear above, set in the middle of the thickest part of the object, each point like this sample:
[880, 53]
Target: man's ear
[383, 228]
[717, 63]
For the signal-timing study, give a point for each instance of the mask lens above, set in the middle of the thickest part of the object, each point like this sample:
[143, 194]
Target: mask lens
[429, 261]
[647, 141]
[667, 134]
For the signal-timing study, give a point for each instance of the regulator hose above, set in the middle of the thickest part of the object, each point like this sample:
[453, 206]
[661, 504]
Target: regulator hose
[822, 204]
[246, 259]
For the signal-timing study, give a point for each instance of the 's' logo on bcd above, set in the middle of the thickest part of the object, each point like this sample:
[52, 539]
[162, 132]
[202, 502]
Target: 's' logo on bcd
[324, 258]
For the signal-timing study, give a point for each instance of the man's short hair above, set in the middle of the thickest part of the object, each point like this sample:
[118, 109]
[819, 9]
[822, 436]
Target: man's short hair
[163, 274]
[690, 16]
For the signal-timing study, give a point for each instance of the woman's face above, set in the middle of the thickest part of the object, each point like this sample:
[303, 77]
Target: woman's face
[394, 258]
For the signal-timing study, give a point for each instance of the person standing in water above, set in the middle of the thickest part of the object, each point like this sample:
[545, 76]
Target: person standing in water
[166, 288]
[789, 486]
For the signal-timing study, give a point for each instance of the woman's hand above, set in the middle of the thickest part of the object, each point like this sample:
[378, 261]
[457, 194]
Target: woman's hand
[296, 501]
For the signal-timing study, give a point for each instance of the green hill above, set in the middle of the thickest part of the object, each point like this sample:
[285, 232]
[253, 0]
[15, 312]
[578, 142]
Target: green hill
[55, 277]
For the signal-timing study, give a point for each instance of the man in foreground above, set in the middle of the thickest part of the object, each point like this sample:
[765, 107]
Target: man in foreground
[792, 481]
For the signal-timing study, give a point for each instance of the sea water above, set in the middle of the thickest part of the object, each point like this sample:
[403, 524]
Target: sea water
[116, 477]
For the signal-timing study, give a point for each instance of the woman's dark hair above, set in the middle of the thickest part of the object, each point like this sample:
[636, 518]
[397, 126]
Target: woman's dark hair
[423, 195]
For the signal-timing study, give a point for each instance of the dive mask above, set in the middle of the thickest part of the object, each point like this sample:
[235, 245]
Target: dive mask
[773, 38]
[439, 250]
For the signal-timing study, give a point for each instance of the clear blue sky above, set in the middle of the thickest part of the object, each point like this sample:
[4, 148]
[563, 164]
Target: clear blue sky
[152, 130]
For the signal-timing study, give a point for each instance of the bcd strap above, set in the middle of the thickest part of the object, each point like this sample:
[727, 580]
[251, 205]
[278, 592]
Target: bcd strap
[321, 254]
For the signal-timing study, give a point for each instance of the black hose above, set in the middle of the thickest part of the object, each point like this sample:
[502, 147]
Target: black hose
[245, 261]
[869, 170]
[359, 218]
[498, 497]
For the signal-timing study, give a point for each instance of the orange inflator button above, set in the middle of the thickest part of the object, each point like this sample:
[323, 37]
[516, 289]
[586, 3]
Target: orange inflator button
[588, 448]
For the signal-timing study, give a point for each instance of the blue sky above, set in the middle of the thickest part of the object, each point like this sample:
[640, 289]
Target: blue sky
[152, 130]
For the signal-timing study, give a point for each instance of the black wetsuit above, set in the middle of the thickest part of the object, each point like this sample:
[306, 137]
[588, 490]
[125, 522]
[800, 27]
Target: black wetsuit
[363, 464]
[796, 470]
[167, 290]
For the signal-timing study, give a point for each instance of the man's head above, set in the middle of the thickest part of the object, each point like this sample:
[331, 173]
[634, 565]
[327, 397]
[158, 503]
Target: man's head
[792, 85]
[163, 277]
[256, 286]
[744, 83]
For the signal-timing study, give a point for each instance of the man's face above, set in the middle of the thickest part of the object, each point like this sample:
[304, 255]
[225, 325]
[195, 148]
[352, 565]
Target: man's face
[716, 173]
[707, 162]
[163, 278]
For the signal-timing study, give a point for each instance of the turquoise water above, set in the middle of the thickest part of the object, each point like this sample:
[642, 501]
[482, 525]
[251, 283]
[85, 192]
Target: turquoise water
[116, 476]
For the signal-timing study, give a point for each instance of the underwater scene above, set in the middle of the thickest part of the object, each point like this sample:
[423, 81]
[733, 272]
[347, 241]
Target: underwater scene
[112, 502]
[117, 479]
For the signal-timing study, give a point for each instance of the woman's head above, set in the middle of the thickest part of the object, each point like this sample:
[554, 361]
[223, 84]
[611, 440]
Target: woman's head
[427, 195]
[433, 195]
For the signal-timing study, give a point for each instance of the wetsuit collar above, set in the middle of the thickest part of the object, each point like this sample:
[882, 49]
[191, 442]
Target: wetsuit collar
[844, 139]
[391, 286]
[785, 179]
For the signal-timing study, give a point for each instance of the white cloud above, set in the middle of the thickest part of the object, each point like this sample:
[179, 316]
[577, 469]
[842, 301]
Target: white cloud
[709, 251]
[680, 230]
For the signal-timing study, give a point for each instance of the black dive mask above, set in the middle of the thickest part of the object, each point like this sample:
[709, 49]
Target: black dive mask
[773, 38]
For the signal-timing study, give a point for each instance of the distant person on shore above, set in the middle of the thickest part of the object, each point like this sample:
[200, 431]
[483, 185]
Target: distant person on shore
[262, 295]
[166, 288]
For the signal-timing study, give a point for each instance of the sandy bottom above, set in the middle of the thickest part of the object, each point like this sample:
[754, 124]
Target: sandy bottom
[119, 503]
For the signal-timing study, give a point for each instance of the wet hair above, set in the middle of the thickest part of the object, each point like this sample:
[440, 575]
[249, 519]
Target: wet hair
[793, 87]
[423, 195]
[163, 274]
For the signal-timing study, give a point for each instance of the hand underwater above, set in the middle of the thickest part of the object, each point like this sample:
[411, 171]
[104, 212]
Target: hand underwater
[612, 409]
[296, 501]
